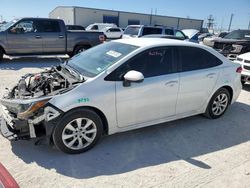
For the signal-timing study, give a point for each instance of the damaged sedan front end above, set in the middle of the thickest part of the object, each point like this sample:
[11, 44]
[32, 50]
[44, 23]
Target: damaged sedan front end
[26, 110]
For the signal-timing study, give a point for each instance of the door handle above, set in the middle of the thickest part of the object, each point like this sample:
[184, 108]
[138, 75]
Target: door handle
[61, 36]
[171, 83]
[38, 36]
[211, 75]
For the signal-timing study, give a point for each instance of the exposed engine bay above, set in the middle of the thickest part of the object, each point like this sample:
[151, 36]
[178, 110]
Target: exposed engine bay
[52, 81]
[25, 109]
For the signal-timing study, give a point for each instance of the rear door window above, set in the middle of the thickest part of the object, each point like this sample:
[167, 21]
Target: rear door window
[192, 58]
[48, 26]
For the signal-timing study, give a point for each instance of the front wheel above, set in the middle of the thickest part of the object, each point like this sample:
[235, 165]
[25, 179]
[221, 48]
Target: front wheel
[78, 131]
[218, 104]
[80, 49]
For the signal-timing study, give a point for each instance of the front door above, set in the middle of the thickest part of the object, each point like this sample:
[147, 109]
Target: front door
[23, 38]
[154, 98]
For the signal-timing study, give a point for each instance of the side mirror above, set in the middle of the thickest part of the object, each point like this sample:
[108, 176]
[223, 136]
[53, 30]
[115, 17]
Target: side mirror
[132, 76]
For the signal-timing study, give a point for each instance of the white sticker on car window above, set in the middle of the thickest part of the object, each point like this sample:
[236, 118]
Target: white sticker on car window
[113, 53]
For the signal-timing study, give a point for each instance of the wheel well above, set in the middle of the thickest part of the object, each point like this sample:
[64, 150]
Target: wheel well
[101, 114]
[85, 45]
[230, 90]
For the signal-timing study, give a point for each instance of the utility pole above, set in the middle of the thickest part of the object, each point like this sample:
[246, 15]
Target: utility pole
[210, 22]
[249, 25]
[230, 23]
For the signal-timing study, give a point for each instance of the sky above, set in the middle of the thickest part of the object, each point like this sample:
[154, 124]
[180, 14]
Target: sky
[220, 9]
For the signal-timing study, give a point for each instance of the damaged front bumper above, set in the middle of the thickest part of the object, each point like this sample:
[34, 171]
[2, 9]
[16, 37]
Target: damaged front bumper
[39, 125]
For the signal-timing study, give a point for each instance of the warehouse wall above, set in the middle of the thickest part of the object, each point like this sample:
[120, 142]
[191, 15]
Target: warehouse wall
[189, 23]
[164, 20]
[85, 17]
[124, 17]
[64, 13]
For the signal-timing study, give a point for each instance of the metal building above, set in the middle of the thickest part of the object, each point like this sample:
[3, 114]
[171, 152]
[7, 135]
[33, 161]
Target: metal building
[85, 16]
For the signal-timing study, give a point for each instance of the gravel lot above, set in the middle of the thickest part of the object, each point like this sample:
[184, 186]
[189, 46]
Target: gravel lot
[192, 152]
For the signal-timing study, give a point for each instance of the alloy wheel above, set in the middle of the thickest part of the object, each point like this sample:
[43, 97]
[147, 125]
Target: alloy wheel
[79, 133]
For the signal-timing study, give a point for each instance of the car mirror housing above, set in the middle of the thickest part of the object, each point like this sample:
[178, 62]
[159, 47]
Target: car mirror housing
[132, 76]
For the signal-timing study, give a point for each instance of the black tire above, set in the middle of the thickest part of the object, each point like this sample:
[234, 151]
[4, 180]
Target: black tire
[79, 49]
[209, 111]
[243, 82]
[1, 54]
[69, 117]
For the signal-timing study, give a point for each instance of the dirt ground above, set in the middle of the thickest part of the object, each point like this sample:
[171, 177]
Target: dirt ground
[192, 152]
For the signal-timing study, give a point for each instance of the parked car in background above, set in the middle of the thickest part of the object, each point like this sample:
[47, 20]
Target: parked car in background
[209, 41]
[112, 32]
[6, 180]
[164, 36]
[244, 61]
[119, 86]
[233, 44]
[192, 35]
[75, 27]
[204, 35]
[133, 31]
[100, 26]
[43, 36]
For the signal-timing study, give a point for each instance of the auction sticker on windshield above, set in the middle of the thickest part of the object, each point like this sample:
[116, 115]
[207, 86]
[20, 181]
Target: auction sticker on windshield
[114, 53]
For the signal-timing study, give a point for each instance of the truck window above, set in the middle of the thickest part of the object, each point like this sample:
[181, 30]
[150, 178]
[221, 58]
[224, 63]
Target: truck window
[26, 26]
[48, 26]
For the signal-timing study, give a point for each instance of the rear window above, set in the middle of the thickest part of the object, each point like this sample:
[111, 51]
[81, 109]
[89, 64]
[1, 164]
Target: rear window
[132, 31]
[151, 30]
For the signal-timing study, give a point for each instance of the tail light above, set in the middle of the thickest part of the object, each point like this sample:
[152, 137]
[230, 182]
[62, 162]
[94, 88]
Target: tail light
[102, 38]
[6, 180]
[239, 70]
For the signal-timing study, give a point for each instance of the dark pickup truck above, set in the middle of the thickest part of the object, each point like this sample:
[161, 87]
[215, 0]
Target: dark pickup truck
[43, 36]
[233, 44]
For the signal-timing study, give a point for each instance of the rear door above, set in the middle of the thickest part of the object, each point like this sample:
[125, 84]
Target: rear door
[23, 38]
[199, 71]
[54, 39]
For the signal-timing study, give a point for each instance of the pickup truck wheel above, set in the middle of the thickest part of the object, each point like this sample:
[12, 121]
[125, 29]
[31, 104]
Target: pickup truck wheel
[78, 131]
[80, 49]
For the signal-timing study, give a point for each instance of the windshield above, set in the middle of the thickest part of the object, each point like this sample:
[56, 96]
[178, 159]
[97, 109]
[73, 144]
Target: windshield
[239, 34]
[132, 31]
[95, 60]
[7, 25]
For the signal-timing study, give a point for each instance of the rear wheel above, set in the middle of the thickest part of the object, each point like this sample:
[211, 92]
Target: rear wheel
[78, 131]
[243, 81]
[218, 104]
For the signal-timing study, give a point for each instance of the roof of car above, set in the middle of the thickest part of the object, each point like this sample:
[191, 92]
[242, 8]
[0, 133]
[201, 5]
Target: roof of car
[144, 42]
